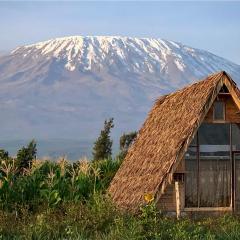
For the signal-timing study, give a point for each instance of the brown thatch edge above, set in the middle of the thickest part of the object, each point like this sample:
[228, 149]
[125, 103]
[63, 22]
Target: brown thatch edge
[180, 155]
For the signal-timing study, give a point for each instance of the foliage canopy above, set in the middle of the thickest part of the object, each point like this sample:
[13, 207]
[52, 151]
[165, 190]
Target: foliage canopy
[102, 148]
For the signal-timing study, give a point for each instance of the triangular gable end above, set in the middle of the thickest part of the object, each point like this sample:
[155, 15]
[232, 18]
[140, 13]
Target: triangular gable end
[225, 81]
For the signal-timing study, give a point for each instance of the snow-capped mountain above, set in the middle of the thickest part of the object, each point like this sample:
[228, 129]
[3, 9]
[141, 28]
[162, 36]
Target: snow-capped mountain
[66, 87]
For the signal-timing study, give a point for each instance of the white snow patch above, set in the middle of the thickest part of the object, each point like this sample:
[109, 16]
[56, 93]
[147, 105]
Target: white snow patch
[70, 67]
[180, 65]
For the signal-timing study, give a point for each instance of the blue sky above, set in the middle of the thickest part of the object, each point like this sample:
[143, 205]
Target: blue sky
[213, 26]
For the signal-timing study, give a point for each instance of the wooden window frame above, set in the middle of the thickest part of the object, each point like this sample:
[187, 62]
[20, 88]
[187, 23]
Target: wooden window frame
[209, 209]
[224, 113]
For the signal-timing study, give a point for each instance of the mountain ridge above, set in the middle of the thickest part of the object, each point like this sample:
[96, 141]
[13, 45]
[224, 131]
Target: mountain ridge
[66, 87]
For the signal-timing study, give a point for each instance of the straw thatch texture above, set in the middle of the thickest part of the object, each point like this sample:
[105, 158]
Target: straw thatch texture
[162, 142]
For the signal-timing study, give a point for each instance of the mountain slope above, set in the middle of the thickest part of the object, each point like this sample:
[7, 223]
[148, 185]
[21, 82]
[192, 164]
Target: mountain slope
[66, 87]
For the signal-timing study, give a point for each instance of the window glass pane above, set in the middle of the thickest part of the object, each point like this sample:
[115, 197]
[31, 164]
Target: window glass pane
[235, 137]
[191, 177]
[214, 139]
[214, 183]
[219, 110]
[214, 171]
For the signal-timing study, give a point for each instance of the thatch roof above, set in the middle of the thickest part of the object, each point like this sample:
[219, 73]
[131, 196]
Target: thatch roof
[163, 140]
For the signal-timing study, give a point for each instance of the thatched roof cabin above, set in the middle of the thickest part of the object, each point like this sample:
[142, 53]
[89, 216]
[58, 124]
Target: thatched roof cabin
[158, 154]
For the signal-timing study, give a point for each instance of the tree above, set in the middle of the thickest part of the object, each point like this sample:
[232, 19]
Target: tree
[3, 154]
[26, 155]
[126, 140]
[102, 148]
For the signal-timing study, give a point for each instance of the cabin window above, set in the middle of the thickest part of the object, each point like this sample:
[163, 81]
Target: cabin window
[214, 165]
[208, 168]
[219, 111]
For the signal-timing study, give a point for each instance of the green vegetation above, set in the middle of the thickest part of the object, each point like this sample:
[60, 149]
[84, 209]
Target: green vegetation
[126, 140]
[64, 200]
[26, 155]
[102, 148]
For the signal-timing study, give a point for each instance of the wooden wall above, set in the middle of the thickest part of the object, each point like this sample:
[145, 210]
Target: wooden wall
[167, 201]
[232, 114]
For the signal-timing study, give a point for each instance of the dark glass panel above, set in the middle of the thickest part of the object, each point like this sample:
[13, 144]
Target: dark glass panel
[235, 137]
[214, 139]
[219, 110]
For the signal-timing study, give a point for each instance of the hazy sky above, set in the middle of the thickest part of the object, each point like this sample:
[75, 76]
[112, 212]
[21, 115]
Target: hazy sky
[213, 26]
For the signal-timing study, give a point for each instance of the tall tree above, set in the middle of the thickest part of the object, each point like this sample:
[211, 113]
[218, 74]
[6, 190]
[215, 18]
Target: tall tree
[26, 155]
[102, 148]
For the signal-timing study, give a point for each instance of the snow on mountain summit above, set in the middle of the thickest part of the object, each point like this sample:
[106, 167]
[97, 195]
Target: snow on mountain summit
[133, 54]
[66, 87]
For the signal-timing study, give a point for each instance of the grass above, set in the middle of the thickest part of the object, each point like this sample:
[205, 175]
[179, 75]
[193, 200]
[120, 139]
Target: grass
[69, 201]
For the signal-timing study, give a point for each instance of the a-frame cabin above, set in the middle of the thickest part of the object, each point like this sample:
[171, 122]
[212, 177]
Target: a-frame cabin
[187, 154]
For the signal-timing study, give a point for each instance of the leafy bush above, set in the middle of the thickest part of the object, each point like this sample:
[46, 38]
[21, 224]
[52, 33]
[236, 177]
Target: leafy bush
[63, 200]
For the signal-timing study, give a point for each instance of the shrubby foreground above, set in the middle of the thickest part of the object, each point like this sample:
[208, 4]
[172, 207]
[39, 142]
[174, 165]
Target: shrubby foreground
[62, 200]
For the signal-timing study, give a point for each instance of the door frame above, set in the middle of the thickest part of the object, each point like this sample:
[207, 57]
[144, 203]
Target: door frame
[234, 179]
